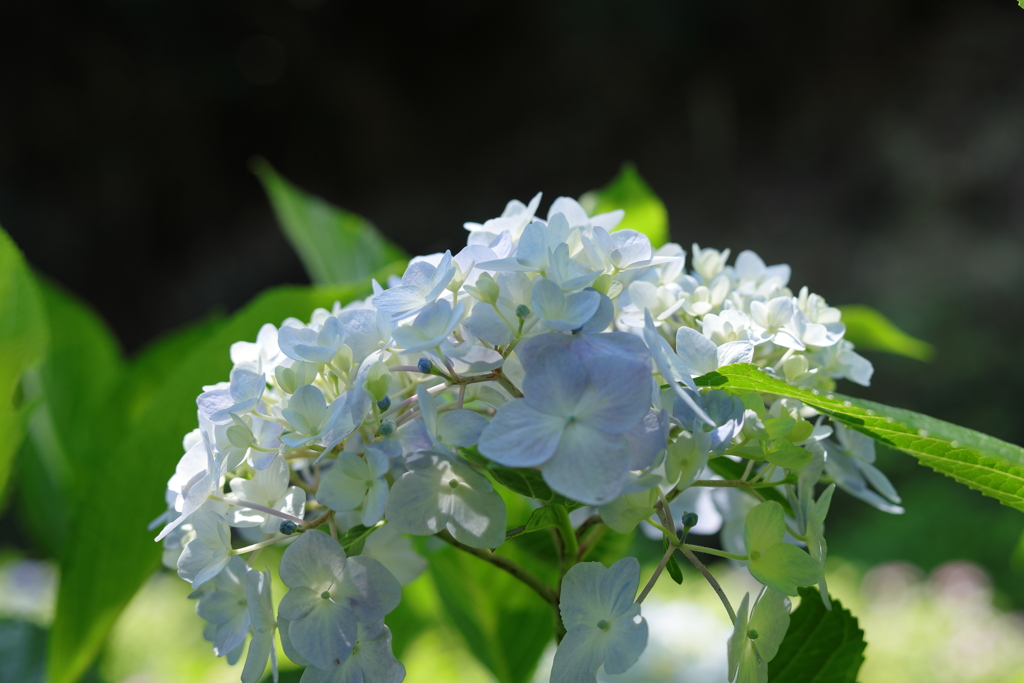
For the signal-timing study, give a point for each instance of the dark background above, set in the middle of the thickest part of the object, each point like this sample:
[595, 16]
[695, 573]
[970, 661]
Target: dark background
[877, 146]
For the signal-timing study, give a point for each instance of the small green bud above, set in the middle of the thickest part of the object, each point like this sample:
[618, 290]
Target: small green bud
[752, 634]
[288, 527]
[603, 283]
[689, 520]
[457, 279]
[485, 290]
[378, 381]
[343, 358]
[326, 595]
[603, 625]
[522, 311]
[424, 365]
[286, 380]
[454, 483]
[795, 367]
[387, 428]
[239, 436]
[305, 373]
[755, 554]
[384, 403]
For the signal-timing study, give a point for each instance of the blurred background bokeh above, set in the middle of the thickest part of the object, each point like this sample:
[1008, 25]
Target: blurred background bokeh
[876, 146]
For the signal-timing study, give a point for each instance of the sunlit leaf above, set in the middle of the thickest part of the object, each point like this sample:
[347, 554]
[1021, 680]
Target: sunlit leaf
[982, 462]
[23, 339]
[870, 330]
[820, 645]
[336, 246]
[644, 211]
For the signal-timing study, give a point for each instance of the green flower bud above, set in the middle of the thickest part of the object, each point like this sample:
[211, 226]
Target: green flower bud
[288, 527]
[522, 311]
[239, 435]
[378, 381]
[752, 634]
[285, 377]
[457, 279]
[343, 359]
[485, 290]
[387, 428]
[603, 283]
[689, 520]
[424, 365]
[794, 368]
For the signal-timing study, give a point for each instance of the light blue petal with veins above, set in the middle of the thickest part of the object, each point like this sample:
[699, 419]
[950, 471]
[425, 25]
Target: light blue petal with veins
[314, 560]
[589, 466]
[521, 436]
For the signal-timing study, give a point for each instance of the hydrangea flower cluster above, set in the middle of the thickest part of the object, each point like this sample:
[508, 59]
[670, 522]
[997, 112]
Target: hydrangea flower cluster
[560, 348]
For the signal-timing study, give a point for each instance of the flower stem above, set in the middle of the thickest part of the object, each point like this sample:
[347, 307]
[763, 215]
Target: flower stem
[711, 579]
[261, 544]
[570, 543]
[259, 508]
[657, 572]
[714, 551]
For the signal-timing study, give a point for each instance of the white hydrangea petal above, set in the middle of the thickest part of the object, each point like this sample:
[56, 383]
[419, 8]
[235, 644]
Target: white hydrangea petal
[626, 642]
[770, 618]
[344, 487]
[735, 352]
[376, 501]
[396, 553]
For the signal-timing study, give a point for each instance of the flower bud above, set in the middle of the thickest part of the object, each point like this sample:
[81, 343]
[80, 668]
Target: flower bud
[343, 359]
[486, 289]
[602, 283]
[457, 279]
[752, 634]
[522, 311]
[285, 377]
[387, 428]
[239, 435]
[795, 367]
[424, 365]
[378, 381]
[288, 527]
[384, 403]
[689, 520]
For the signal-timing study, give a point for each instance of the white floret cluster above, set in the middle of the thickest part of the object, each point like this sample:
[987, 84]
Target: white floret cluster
[559, 348]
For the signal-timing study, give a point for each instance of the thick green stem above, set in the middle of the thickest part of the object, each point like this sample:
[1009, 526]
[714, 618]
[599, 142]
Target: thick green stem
[570, 544]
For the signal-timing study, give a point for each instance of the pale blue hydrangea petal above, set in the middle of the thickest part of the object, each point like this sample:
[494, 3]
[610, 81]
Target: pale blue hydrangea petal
[261, 614]
[423, 502]
[260, 648]
[326, 634]
[618, 394]
[486, 324]
[222, 602]
[735, 352]
[368, 589]
[286, 642]
[648, 438]
[207, 554]
[314, 560]
[579, 656]
[589, 466]
[376, 500]
[396, 553]
[520, 436]
[299, 601]
[371, 661]
[344, 487]
[306, 409]
[626, 641]
[461, 428]
[555, 382]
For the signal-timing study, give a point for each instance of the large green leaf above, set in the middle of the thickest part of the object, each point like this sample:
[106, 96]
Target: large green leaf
[982, 462]
[336, 246]
[644, 211]
[505, 624]
[869, 329]
[23, 339]
[73, 413]
[820, 646]
[110, 553]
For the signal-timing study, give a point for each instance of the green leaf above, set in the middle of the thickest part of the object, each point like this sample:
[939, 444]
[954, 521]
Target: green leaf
[23, 340]
[542, 518]
[644, 211]
[74, 414]
[672, 566]
[982, 462]
[868, 329]
[336, 246]
[504, 623]
[784, 454]
[530, 483]
[820, 646]
[110, 553]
